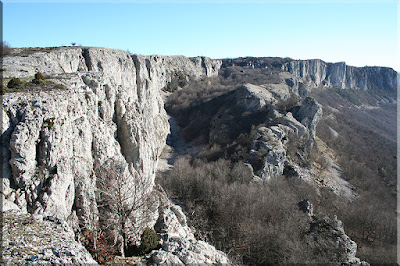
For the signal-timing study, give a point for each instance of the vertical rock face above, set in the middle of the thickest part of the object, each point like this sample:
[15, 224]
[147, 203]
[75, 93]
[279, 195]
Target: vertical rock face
[268, 153]
[319, 73]
[57, 140]
[309, 114]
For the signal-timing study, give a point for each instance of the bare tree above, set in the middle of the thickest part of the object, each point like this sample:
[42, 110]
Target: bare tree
[119, 194]
[5, 49]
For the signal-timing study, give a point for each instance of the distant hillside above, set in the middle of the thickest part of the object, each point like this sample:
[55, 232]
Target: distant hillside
[254, 118]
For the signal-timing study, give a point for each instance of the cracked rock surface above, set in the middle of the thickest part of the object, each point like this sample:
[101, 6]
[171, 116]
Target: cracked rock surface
[29, 239]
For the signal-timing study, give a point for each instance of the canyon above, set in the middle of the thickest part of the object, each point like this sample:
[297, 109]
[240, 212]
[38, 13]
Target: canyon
[58, 144]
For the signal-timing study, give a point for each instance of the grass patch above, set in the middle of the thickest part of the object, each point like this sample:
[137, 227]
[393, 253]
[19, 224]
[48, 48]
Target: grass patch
[38, 83]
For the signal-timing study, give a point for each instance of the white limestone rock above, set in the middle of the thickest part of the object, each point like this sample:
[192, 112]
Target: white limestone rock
[268, 153]
[254, 97]
[178, 244]
[317, 73]
[36, 239]
[327, 236]
[111, 108]
[309, 113]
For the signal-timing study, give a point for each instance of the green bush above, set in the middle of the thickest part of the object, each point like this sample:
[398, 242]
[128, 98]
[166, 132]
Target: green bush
[179, 79]
[14, 83]
[39, 76]
[39, 79]
[149, 240]
[5, 90]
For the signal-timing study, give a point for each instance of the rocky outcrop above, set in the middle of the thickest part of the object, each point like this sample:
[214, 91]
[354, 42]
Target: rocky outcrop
[326, 235]
[178, 244]
[268, 154]
[56, 140]
[242, 108]
[316, 73]
[308, 113]
[257, 109]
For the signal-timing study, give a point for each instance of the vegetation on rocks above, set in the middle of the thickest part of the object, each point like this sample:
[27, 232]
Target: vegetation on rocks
[178, 80]
[254, 223]
[39, 82]
[35, 238]
[149, 240]
[252, 158]
[39, 78]
[14, 83]
[364, 149]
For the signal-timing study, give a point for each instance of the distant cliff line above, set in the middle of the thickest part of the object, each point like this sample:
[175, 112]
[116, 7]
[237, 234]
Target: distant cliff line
[317, 73]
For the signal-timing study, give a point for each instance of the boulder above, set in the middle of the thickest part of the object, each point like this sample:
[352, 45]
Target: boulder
[326, 235]
[178, 243]
[268, 153]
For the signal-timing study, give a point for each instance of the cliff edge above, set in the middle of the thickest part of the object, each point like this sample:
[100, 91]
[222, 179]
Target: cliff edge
[95, 106]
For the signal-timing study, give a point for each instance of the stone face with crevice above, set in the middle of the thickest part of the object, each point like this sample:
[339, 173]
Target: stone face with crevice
[56, 140]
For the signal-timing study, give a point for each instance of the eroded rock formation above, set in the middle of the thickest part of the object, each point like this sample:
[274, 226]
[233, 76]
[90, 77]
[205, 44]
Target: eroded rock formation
[329, 238]
[57, 141]
[256, 108]
[316, 73]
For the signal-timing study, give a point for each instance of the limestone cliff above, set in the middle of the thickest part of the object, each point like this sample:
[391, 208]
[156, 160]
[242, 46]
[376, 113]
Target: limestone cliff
[319, 73]
[302, 76]
[57, 140]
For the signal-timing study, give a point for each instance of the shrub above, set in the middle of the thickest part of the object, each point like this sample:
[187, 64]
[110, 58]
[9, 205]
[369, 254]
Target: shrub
[14, 83]
[49, 123]
[7, 90]
[259, 224]
[178, 80]
[149, 240]
[98, 246]
[39, 79]
[39, 76]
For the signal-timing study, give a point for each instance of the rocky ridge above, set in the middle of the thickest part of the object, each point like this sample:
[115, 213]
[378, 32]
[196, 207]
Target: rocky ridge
[56, 141]
[255, 105]
[306, 75]
[319, 73]
[112, 110]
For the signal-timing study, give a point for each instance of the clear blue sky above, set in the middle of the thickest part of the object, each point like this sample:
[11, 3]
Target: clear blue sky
[358, 32]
